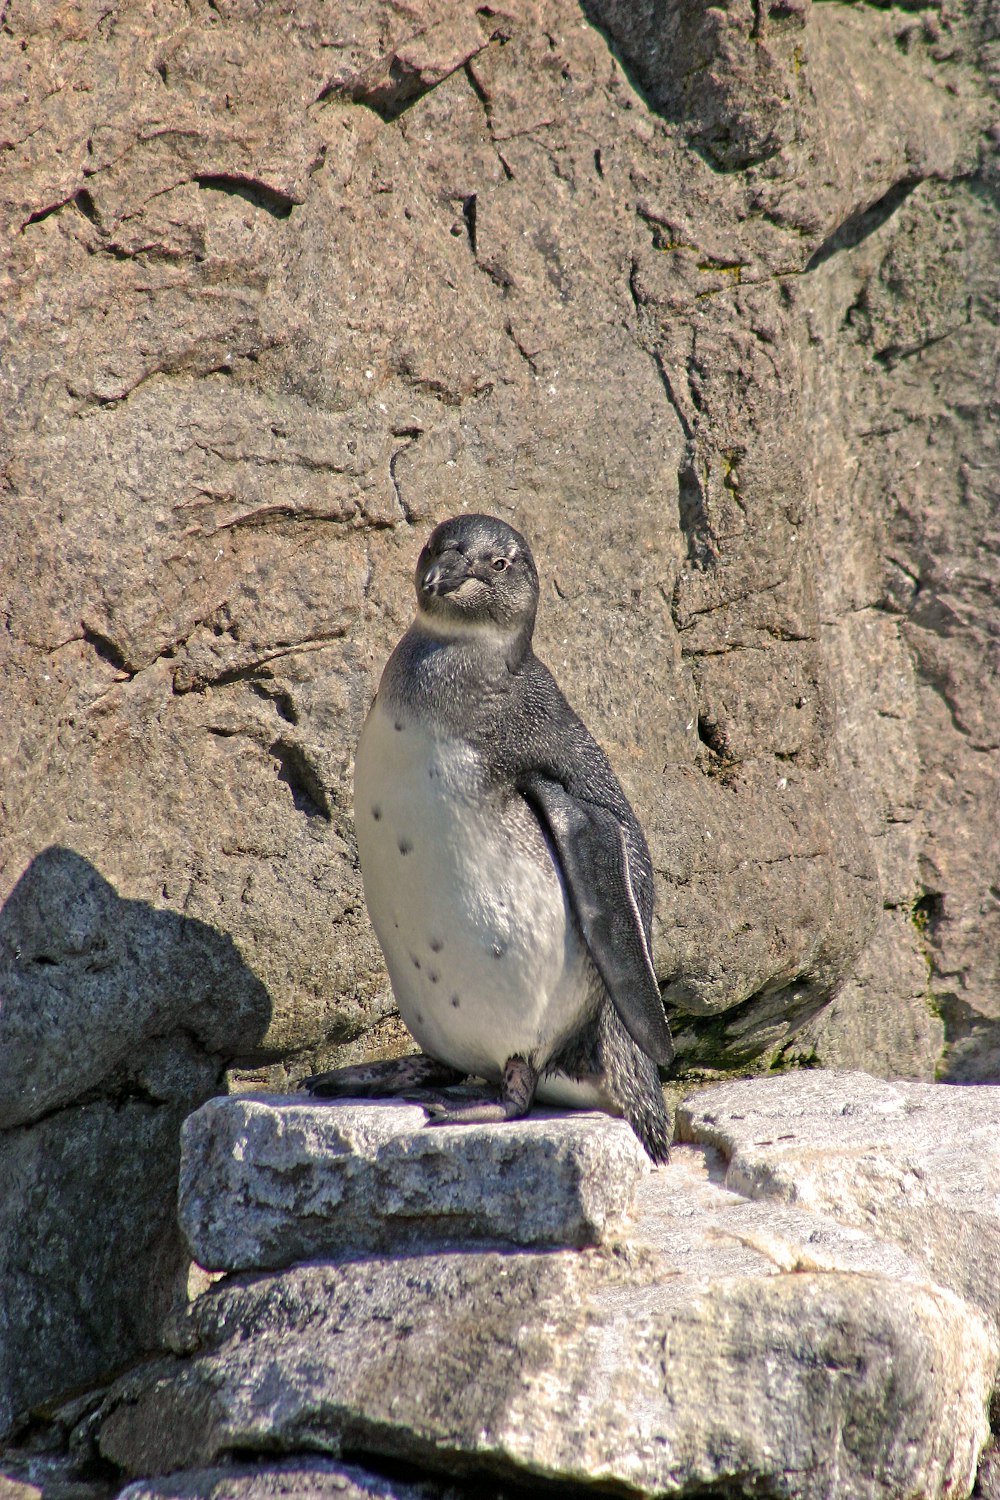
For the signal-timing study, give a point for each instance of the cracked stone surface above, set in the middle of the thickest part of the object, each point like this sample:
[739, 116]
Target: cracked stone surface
[716, 1340]
[918, 1164]
[306, 1478]
[282, 286]
[232, 410]
[268, 1181]
[116, 1020]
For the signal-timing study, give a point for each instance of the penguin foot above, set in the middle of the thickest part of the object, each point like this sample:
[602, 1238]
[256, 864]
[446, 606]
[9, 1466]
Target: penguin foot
[386, 1078]
[517, 1093]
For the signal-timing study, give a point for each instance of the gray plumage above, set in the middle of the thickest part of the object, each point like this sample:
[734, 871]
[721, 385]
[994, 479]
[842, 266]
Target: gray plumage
[507, 877]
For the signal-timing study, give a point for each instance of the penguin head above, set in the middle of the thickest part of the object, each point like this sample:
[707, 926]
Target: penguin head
[476, 577]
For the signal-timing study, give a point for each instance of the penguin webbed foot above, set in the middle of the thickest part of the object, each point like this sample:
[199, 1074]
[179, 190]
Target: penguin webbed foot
[516, 1096]
[386, 1078]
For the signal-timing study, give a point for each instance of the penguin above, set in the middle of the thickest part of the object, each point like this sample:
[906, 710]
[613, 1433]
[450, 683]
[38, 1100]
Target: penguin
[507, 877]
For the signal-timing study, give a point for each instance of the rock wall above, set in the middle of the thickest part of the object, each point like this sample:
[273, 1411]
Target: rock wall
[703, 300]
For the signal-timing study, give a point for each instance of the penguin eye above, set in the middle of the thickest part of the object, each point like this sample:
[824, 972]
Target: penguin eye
[500, 564]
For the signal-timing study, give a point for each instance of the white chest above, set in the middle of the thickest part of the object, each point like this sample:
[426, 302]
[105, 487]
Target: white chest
[466, 901]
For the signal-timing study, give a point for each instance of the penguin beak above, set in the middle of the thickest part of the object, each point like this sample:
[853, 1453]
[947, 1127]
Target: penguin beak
[445, 575]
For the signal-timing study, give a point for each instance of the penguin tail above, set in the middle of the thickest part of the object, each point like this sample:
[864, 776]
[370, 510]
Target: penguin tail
[633, 1082]
[649, 1119]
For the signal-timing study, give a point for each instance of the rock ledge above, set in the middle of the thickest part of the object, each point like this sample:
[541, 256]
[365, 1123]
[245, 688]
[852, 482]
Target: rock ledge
[268, 1181]
[756, 1344]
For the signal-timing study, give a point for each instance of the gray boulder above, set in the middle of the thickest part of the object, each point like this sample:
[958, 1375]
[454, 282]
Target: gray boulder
[116, 1020]
[704, 300]
[265, 1182]
[917, 1164]
[567, 1367]
[713, 1339]
[306, 1478]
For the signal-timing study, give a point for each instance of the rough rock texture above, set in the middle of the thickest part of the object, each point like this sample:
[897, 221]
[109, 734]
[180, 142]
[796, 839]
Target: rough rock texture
[100, 992]
[78, 1301]
[17, 1489]
[915, 1163]
[285, 286]
[116, 1019]
[703, 299]
[721, 1341]
[329, 1179]
[303, 1479]
[988, 1478]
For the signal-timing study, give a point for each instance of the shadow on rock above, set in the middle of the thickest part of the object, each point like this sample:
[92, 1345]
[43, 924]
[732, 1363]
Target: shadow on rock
[116, 1021]
[736, 112]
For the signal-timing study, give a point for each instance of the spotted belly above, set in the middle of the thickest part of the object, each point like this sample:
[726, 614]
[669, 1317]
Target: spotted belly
[484, 955]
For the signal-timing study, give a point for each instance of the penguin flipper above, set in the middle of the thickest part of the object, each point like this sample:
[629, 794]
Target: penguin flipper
[593, 853]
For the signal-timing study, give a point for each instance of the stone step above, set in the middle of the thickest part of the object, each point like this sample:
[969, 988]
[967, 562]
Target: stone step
[917, 1164]
[753, 1344]
[266, 1181]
